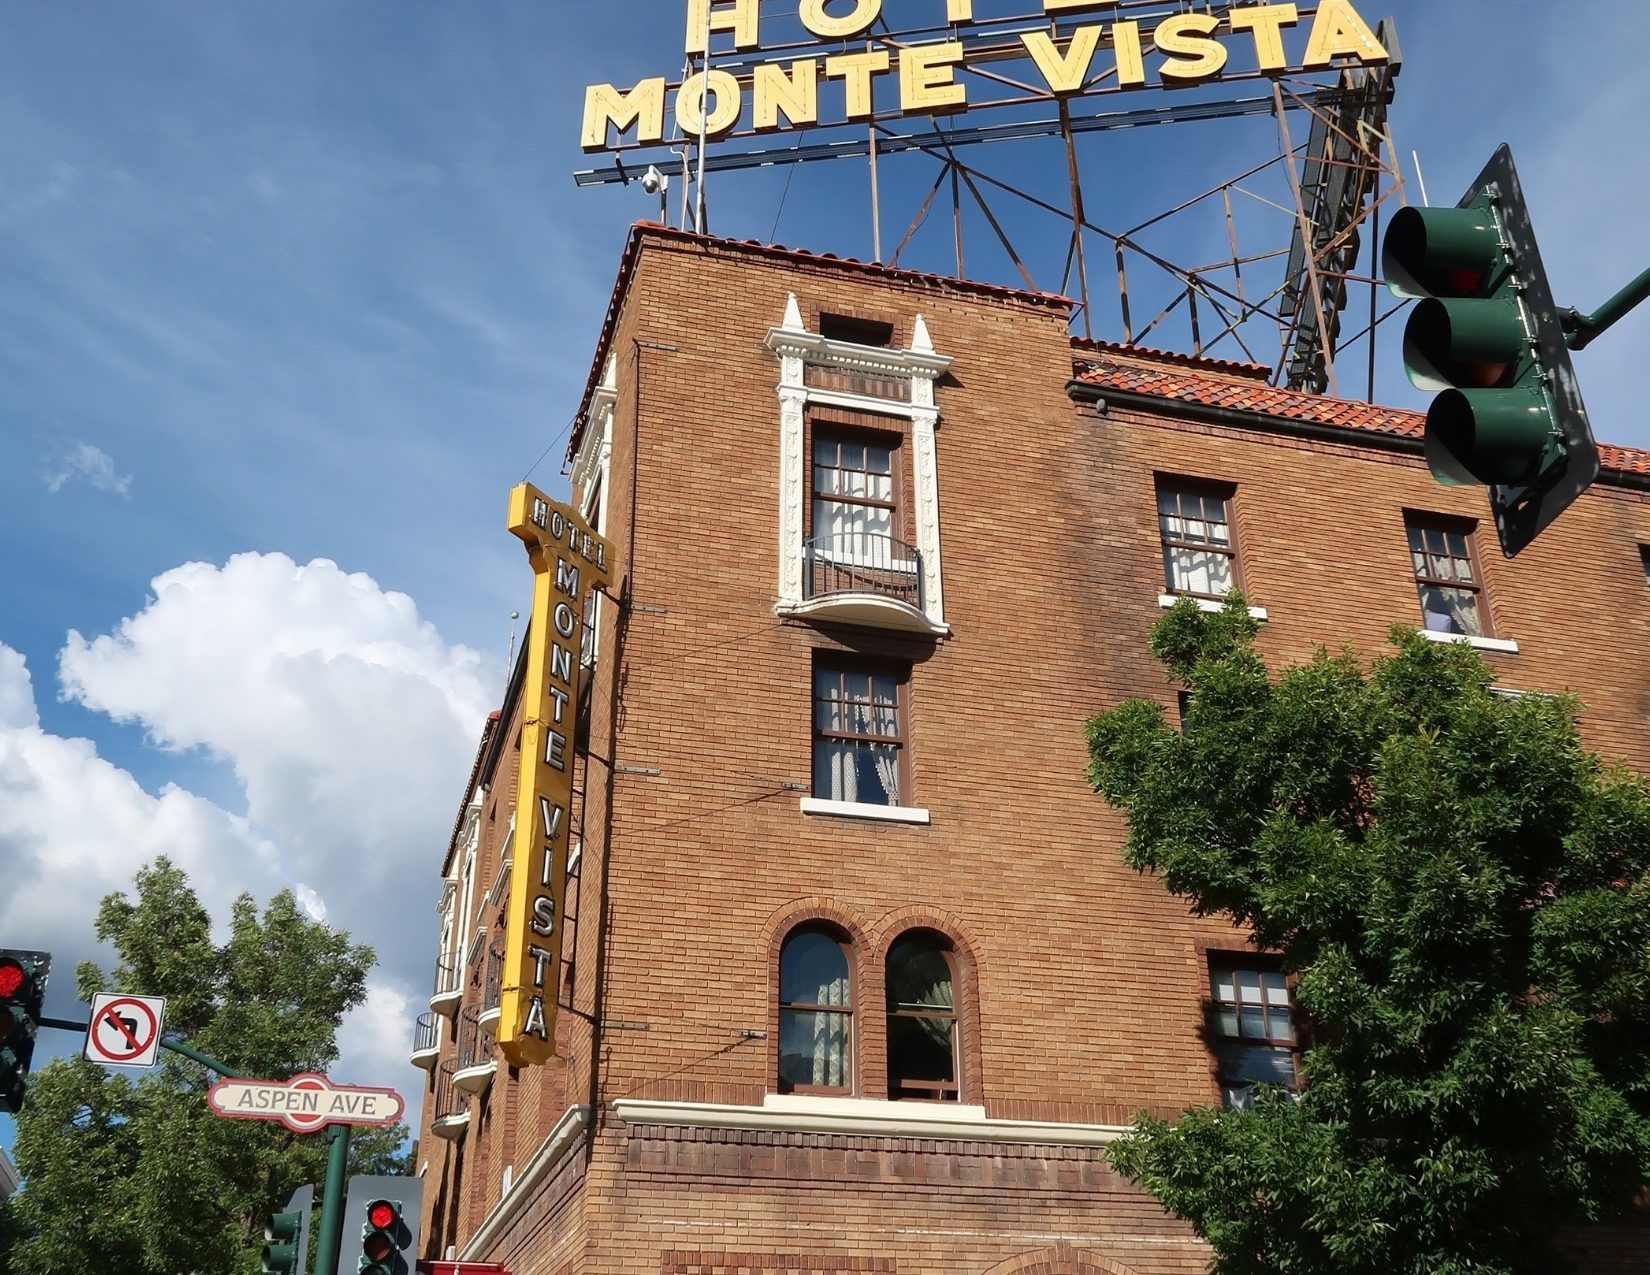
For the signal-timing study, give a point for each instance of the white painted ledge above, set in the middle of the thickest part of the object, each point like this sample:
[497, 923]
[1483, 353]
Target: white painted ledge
[523, 1189]
[1167, 600]
[789, 1113]
[864, 810]
[1504, 645]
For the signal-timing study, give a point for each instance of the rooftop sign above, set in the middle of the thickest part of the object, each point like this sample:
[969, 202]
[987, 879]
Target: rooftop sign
[1074, 47]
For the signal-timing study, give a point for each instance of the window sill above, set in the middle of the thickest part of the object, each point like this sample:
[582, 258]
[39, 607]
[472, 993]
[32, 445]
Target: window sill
[1504, 645]
[864, 810]
[1167, 600]
[857, 1117]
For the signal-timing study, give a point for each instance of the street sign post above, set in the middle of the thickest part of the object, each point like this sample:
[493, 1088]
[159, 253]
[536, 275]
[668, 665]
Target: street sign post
[125, 1031]
[306, 1103]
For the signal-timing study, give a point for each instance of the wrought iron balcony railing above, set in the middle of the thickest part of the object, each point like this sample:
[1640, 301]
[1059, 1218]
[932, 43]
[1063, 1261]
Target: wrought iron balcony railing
[452, 1105]
[492, 985]
[862, 562]
[426, 1040]
[475, 1052]
[448, 986]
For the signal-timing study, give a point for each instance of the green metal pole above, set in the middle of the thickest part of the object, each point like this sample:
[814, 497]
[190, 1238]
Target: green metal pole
[1580, 329]
[332, 1200]
[178, 1047]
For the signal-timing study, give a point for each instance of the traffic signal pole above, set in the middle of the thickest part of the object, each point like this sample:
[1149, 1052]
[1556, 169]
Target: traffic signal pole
[332, 1200]
[1580, 329]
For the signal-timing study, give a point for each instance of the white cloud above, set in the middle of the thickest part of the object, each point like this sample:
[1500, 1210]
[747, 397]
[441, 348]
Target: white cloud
[349, 722]
[91, 465]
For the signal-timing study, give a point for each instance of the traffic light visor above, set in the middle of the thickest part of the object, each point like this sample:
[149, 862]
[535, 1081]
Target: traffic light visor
[1441, 252]
[1488, 436]
[1459, 343]
[279, 1256]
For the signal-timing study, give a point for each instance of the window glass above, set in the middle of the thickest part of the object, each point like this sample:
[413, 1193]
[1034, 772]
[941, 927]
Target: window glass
[1445, 580]
[1198, 553]
[922, 1020]
[858, 735]
[1254, 1028]
[815, 1013]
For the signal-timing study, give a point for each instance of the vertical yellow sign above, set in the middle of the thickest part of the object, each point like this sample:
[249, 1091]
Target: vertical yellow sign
[568, 560]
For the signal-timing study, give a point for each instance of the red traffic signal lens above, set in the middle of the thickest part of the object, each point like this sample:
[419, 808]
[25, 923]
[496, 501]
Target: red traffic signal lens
[381, 1215]
[12, 978]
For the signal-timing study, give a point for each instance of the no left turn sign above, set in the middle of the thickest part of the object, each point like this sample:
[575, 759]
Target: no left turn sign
[125, 1030]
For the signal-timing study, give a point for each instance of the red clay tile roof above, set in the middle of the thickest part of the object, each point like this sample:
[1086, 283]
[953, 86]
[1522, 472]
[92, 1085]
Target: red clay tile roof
[1138, 371]
[1254, 371]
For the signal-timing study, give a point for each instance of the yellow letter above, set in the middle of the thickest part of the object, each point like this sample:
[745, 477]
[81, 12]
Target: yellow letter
[741, 20]
[856, 70]
[643, 106]
[690, 103]
[1339, 30]
[1131, 66]
[1066, 6]
[1187, 34]
[927, 81]
[1064, 72]
[815, 18]
[797, 95]
[1267, 22]
[959, 10]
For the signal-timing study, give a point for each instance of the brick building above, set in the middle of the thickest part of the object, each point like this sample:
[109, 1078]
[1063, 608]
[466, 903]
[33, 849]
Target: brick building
[855, 978]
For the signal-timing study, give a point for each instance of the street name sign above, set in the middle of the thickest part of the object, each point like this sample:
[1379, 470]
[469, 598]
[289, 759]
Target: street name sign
[125, 1030]
[304, 1104]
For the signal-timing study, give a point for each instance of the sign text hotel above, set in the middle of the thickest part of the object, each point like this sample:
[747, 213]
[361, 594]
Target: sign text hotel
[1183, 48]
[568, 560]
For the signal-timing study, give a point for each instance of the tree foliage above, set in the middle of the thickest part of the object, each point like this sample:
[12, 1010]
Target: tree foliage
[137, 1175]
[1460, 888]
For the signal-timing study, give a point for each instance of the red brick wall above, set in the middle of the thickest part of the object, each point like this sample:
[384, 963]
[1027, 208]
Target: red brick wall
[1083, 997]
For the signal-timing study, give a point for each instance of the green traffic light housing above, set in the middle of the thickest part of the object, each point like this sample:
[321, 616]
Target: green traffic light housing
[23, 976]
[286, 1235]
[388, 1209]
[1486, 334]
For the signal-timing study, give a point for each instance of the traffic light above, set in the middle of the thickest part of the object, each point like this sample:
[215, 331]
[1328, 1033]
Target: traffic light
[1486, 333]
[386, 1210]
[23, 978]
[286, 1238]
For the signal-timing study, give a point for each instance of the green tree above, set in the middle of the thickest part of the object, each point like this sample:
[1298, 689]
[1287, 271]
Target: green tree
[137, 1175]
[1460, 889]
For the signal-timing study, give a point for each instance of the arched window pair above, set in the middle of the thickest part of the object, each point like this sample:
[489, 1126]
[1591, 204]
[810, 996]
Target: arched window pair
[816, 1015]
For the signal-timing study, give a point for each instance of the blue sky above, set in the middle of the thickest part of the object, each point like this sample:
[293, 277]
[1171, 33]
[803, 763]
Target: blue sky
[311, 284]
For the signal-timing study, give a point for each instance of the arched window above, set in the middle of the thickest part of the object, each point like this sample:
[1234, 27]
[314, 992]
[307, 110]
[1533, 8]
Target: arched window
[816, 1014]
[922, 1019]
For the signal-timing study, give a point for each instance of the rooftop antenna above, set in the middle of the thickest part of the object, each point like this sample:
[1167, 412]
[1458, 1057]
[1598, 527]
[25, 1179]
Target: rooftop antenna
[514, 616]
[704, 126]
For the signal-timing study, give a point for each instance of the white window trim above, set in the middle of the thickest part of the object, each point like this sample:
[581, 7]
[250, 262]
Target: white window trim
[1505, 645]
[864, 810]
[921, 365]
[1167, 600]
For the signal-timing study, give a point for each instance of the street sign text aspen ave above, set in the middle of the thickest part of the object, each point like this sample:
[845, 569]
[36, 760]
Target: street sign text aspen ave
[830, 83]
[304, 1104]
[568, 560]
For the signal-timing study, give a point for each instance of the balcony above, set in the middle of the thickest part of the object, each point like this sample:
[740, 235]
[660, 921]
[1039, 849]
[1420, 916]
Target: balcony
[491, 987]
[861, 577]
[426, 1041]
[475, 1053]
[452, 1105]
[449, 990]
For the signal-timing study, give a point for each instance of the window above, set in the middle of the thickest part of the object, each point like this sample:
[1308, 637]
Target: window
[1445, 576]
[1644, 561]
[816, 1013]
[922, 1019]
[1199, 556]
[1254, 1027]
[843, 327]
[859, 739]
[855, 512]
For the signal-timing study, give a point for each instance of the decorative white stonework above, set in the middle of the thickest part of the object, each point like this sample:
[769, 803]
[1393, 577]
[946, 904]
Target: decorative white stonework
[1505, 645]
[920, 365]
[596, 449]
